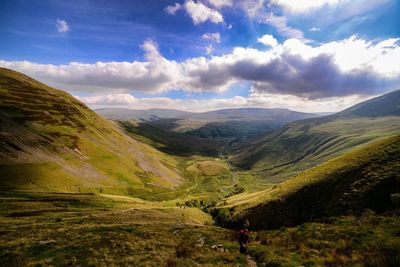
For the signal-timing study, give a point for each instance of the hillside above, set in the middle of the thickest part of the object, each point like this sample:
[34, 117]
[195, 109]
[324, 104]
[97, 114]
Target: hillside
[363, 178]
[49, 141]
[303, 144]
[125, 114]
[218, 130]
[171, 142]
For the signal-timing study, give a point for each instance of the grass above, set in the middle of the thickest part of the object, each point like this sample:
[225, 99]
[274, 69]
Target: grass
[89, 229]
[368, 240]
[171, 142]
[304, 144]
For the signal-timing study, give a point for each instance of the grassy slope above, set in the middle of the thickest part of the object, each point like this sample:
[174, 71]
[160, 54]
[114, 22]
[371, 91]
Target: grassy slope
[43, 229]
[303, 144]
[363, 178]
[169, 141]
[52, 142]
[368, 240]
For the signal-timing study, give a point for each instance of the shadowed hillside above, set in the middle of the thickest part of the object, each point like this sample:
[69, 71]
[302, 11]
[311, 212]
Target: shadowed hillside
[171, 142]
[226, 126]
[50, 141]
[363, 178]
[303, 144]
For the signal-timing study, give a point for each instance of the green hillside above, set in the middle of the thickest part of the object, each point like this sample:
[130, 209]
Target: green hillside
[171, 142]
[303, 144]
[363, 178]
[223, 127]
[49, 141]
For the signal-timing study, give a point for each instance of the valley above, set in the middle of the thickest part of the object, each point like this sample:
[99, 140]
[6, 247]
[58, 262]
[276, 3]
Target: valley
[119, 187]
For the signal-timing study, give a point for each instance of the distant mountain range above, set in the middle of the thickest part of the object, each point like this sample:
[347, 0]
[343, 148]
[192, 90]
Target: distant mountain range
[271, 114]
[125, 114]
[226, 126]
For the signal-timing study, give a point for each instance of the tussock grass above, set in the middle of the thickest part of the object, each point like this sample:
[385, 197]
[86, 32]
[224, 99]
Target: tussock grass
[102, 230]
[368, 240]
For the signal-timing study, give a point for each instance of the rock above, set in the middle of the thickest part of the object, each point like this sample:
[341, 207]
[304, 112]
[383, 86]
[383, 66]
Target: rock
[200, 242]
[218, 247]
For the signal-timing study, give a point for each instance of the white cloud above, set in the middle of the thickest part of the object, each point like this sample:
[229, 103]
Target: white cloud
[200, 13]
[62, 26]
[221, 3]
[280, 23]
[209, 49]
[110, 100]
[300, 6]
[268, 40]
[216, 37]
[264, 100]
[314, 29]
[253, 8]
[337, 69]
[173, 9]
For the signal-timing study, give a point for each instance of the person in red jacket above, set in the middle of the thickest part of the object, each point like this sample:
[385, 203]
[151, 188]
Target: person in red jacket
[244, 239]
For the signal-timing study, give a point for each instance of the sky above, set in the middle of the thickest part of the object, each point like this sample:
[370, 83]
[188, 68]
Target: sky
[200, 55]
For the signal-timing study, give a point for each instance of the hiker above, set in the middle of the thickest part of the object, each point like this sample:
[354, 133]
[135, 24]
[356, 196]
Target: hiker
[244, 239]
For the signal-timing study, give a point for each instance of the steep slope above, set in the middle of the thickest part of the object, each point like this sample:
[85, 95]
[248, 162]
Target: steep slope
[171, 142]
[50, 141]
[363, 178]
[304, 144]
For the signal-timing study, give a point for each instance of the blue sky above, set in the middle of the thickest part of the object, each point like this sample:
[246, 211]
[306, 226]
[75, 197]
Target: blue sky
[207, 54]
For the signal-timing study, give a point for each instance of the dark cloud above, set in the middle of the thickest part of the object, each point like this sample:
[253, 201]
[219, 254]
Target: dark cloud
[317, 77]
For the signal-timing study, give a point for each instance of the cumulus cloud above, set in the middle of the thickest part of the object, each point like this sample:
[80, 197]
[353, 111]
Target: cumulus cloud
[314, 29]
[268, 40]
[173, 8]
[216, 37]
[221, 3]
[201, 13]
[62, 26]
[263, 100]
[343, 68]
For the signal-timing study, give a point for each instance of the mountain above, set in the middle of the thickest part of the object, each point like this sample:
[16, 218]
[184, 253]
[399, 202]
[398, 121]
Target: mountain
[49, 141]
[306, 143]
[272, 114]
[224, 127]
[364, 178]
[125, 114]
